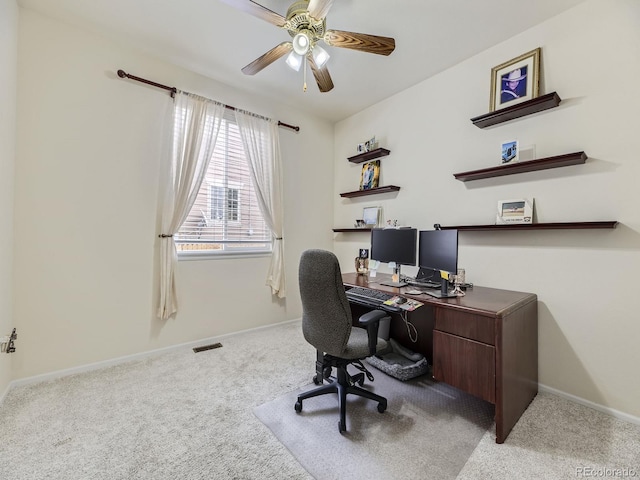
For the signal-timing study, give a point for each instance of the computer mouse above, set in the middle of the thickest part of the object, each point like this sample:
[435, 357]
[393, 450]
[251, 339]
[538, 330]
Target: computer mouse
[401, 300]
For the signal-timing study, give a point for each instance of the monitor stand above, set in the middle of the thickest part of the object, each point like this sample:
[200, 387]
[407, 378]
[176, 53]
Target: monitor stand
[443, 292]
[399, 283]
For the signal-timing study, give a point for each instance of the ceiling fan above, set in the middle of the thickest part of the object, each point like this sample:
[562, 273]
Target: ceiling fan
[306, 23]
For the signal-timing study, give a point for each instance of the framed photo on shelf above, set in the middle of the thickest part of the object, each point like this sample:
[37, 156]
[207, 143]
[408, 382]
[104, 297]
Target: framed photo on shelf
[519, 210]
[510, 151]
[371, 216]
[370, 175]
[515, 81]
[371, 144]
[367, 146]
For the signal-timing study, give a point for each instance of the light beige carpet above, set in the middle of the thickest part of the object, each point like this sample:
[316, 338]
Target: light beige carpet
[428, 431]
[557, 439]
[188, 416]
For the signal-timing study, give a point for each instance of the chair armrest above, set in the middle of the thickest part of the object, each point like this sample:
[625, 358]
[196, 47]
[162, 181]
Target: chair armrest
[371, 320]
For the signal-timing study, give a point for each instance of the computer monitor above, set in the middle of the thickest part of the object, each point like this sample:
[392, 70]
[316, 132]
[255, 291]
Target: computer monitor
[394, 245]
[438, 251]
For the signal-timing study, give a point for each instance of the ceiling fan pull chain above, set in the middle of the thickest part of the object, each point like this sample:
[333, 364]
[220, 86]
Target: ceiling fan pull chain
[304, 86]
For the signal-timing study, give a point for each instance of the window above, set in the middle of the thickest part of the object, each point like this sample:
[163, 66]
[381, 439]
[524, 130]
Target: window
[225, 203]
[225, 218]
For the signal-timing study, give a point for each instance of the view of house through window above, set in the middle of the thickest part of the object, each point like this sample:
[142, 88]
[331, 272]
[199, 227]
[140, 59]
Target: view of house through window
[225, 217]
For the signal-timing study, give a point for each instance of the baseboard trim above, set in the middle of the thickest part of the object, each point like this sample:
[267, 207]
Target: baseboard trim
[587, 403]
[127, 358]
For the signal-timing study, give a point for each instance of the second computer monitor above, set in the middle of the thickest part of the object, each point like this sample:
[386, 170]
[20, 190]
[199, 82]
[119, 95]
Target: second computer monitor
[438, 250]
[394, 245]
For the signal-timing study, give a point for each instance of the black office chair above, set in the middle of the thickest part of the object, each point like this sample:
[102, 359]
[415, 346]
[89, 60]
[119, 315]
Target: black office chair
[327, 325]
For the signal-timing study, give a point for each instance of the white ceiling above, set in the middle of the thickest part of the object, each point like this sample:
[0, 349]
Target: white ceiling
[216, 40]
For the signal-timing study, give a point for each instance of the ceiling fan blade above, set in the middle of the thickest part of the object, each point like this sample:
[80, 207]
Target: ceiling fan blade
[323, 79]
[318, 9]
[268, 58]
[360, 41]
[252, 8]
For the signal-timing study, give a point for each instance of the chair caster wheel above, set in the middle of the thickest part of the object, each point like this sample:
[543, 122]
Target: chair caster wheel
[316, 380]
[327, 372]
[298, 406]
[342, 427]
[382, 407]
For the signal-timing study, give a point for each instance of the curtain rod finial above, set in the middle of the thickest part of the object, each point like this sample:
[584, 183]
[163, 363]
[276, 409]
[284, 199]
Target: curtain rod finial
[292, 127]
[122, 73]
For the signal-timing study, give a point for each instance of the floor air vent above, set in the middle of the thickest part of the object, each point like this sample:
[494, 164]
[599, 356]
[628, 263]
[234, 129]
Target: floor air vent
[207, 347]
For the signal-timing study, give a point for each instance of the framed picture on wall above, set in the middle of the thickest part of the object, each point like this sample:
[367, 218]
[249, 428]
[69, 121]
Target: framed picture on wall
[370, 175]
[515, 81]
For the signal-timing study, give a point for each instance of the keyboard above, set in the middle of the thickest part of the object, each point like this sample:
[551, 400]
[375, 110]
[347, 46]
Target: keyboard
[371, 298]
[424, 283]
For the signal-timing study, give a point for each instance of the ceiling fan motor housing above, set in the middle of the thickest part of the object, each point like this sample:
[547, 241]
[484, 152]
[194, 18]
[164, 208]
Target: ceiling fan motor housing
[299, 21]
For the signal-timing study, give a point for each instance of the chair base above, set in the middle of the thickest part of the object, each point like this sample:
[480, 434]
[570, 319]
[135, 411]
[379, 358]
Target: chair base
[342, 385]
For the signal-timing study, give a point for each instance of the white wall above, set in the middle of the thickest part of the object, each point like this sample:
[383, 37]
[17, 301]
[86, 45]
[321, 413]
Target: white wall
[8, 74]
[89, 157]
[585, 279]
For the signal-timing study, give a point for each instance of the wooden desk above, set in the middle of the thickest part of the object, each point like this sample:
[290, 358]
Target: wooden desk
[485, 343]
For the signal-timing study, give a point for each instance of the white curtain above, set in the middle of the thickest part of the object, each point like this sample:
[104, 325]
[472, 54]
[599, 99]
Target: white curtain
[262, 149]
[196, 123]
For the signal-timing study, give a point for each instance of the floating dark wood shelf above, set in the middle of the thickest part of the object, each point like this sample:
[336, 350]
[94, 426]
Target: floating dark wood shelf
[372, 155]
[349, 230]
[522, 167]
[535, 226]
[371, 191]
[529, 107]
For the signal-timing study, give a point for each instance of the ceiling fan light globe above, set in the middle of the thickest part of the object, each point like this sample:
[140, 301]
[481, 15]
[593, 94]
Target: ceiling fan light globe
[294, 61]
[320, 56]
[301, 44]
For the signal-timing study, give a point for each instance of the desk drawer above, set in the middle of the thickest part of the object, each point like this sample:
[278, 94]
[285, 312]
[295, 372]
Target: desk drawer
[467, 325]
[465, 364]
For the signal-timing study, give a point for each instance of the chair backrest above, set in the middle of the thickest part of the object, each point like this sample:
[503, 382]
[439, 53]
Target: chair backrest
[326, 315]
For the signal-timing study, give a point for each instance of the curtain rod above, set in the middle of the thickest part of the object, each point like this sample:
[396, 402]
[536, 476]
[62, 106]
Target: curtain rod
[174, 90]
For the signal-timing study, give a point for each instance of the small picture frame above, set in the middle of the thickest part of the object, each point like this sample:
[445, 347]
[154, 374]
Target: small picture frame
[370, 175]
[371, 216]
[519, 210]
[362, 148]
[510, 151]
[515, 81]
[371, 144]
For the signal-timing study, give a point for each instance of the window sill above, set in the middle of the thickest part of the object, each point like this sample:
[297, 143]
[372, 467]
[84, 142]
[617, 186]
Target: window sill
[200, 255]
